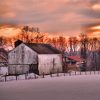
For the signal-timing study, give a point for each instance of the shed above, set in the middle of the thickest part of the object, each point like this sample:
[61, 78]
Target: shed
[74, 62]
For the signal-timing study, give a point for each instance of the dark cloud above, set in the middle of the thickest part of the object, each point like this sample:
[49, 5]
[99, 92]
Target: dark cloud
[89, 28]
[93, 1]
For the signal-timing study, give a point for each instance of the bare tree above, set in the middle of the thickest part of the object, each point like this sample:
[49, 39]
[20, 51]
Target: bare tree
[39, 38]
[73, 45]
[54, 42]
[62, 42]
[27, 33]
[84, 42]
[95, 47]
[70, 42]
[2, 42]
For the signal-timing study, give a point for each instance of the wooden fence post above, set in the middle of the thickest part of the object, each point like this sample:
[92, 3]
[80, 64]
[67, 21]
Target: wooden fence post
[75, 72]
[43, 74]
[90, 72]
[80, 72]
[85, 72]
[58, 73]
[16, 76]
[70, 73]
[5, 78]
[64, 73]
[35, 76]
[51, 74]
[94, 71]
[98, 71]
[26, 76]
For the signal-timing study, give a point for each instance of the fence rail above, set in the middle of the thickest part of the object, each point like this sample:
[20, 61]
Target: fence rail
[28, 76]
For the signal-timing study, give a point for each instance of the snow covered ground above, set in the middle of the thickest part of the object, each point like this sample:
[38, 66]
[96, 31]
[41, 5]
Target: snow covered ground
[79, 87]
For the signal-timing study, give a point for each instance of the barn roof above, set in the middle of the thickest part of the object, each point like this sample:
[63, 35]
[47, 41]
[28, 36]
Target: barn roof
[3, 54]
[43, 48]
[3, 51]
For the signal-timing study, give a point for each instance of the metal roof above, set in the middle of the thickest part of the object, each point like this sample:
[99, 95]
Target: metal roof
[76, 58]
[43, 48]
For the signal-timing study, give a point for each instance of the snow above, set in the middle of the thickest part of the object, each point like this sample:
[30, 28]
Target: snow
[19, 77]
[75, 87]
[34, 76]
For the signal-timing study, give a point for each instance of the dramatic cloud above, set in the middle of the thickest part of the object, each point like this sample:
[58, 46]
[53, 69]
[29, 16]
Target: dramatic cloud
[53, 16]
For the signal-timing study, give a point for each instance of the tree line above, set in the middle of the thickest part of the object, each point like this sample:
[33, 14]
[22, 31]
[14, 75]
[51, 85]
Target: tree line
[84, 46]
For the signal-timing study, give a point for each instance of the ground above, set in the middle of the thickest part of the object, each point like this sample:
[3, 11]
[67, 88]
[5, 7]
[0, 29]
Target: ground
[80, 87]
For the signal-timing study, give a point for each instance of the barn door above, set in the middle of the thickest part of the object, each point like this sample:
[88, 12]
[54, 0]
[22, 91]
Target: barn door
[33, 68]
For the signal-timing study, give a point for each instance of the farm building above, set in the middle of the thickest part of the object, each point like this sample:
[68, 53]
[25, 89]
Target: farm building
[3, 62]
[74, 62]
[33, 57]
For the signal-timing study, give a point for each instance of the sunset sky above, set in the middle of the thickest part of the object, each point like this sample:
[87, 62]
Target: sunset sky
[67, 17]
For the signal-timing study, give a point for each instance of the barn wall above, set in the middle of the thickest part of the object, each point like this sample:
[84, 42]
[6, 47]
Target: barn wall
[18, 69]
[3, 70]
[49, 63]
[21, 55]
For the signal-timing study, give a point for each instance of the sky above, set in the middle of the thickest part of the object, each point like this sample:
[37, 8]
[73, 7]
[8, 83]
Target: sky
[65, 17]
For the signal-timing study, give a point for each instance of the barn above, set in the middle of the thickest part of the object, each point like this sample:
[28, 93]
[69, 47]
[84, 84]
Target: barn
[34, 58]
[3, 62]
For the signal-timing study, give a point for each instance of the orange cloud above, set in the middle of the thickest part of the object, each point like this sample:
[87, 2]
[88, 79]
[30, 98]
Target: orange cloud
[9, 30]
[93, 30]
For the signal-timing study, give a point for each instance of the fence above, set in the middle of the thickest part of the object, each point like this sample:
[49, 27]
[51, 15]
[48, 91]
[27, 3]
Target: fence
[28, 76]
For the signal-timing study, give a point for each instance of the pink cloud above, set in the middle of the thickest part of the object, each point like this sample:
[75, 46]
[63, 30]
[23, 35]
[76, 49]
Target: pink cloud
[54, 16]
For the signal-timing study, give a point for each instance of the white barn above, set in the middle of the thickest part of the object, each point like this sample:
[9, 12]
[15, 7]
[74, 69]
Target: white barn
[33, 57]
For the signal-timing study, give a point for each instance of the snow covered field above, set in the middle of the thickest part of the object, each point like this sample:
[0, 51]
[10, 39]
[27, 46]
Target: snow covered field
[80, 87]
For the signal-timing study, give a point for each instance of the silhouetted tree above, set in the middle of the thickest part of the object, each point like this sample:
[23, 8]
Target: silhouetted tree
[73, 45]
[2, 42]
[61, 41]
[84, 41]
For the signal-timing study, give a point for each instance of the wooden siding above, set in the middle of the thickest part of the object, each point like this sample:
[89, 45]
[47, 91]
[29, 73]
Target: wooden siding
[3, 70]
[49, 63]
[21, 55]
